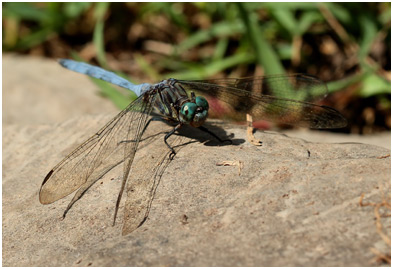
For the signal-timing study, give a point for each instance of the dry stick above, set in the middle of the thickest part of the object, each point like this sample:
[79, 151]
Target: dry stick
[250, 136]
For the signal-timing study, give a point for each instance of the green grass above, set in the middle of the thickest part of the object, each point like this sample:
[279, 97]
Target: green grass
[344, 43]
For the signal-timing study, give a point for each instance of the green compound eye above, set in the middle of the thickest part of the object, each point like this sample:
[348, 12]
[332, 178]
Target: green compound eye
[196, 113]
[187, 112]
[202, 102]
[202, 111]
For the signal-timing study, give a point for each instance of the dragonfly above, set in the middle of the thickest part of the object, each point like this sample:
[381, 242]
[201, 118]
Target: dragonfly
[281, 98]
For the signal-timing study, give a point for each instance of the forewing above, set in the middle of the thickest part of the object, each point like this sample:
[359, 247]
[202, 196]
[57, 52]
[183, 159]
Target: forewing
[97, 155]
[298, 87]
[286, 109]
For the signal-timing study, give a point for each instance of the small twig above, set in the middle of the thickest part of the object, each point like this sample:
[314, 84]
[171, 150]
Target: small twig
[240, 164]
[250, 135]
[384, 157]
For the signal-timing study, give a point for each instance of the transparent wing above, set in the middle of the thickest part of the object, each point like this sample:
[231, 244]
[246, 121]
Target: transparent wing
[97, 72]
[115, 143]
[147, 169]
[298, 87]
[258, 97]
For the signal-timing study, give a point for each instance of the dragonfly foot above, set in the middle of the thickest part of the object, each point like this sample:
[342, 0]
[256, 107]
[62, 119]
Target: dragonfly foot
[172, 155]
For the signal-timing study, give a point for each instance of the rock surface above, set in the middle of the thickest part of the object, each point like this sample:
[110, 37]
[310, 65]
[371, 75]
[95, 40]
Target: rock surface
[294, 203]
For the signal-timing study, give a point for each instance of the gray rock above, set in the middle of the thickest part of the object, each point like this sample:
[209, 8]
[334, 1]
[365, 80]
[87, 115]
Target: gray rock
[294, 202]
[41, 91]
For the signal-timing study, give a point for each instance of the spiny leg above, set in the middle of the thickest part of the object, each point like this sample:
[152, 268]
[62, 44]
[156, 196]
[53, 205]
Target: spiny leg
[173, 152]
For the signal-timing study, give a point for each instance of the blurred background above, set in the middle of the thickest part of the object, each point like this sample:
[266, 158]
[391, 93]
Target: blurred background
[347, 45]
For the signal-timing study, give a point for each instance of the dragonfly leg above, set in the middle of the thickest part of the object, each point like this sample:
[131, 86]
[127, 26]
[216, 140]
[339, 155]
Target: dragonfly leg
[173, 152]
[193, 97]
[147, 124]
[214, 135]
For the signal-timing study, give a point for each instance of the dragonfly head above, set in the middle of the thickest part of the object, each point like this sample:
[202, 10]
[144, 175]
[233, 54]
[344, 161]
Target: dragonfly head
[196, 113]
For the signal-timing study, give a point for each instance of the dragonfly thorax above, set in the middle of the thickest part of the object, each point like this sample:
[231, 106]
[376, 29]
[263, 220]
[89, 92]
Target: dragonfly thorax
[196, 113]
